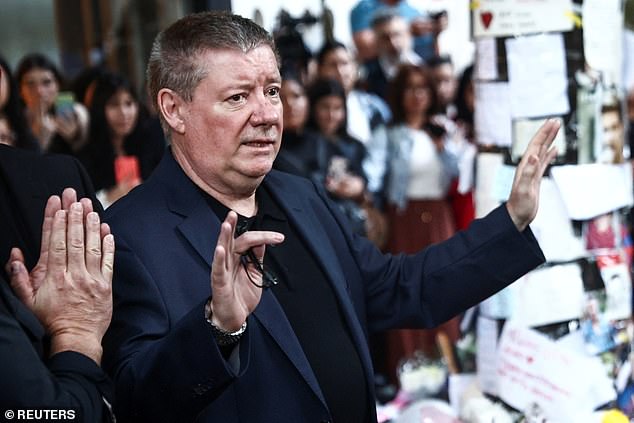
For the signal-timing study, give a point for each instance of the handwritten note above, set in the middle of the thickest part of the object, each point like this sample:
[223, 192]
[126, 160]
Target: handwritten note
[486, 64]
[495, 18]
[534, 369]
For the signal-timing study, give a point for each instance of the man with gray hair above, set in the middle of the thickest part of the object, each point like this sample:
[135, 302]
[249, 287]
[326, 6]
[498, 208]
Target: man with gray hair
[394, 45]
[211, 322]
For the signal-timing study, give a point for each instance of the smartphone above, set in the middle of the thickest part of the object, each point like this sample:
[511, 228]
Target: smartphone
[64, 103]
[435, 130]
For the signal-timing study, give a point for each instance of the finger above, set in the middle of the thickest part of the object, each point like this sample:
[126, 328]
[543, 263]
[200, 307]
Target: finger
[107, 262]
[105, 230]
[550, 156]
[218, 268]
[87, 205]
[550, 138]
[75, 238]
[232, 220]
[224, 241]
[543, 137]
[259, 251]
[21, 282]
[15, 255]
[254, 239]
[57, 245]
[53, 204]
[93, 244]
[69, 196]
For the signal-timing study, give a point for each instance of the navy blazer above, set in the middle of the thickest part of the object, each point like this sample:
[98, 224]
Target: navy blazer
[161, 351]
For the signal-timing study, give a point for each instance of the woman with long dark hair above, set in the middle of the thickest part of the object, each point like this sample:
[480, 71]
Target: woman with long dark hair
[337, 157]
[125, 144]
[12, 111]
[59, 126]
[418, 171]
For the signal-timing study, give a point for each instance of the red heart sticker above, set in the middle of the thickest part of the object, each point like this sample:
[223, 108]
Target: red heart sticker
[486, 18]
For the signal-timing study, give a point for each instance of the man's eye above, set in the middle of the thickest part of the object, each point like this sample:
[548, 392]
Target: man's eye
[273, 92]
[237, 98]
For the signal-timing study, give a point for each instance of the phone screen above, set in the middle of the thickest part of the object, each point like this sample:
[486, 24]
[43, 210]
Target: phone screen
[64, 103]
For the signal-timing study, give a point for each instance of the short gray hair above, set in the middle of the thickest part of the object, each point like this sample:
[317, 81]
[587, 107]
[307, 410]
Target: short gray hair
[174, 57]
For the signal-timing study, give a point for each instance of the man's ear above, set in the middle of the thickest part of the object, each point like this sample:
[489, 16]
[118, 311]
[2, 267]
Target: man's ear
[171, 106]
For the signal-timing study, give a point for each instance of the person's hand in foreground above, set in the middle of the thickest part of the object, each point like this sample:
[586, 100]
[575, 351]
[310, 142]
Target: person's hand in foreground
[70, 288]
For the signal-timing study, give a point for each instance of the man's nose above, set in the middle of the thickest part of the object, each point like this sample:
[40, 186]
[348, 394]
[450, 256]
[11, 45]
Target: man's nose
[265, 112]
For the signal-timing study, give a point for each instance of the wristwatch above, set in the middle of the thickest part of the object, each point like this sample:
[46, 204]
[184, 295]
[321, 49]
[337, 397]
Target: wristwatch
[223, 338]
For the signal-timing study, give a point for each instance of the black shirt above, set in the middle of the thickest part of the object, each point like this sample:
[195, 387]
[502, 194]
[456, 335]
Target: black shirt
[311, 307]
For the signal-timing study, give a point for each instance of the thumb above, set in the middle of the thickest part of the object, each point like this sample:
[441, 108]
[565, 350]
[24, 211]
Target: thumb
[259, 252]
[21, 282]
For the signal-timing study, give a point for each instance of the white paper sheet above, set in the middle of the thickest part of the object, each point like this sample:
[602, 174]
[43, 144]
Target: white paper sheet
[503, 182]
[552, 227]
[495, 18]
[592, 189]
[486, 356]
[486, 64]
[486, 171]
[492, 114]
[549, 295]
[458, 385]
[603, 37]
[533, 369]
[502, 304]
[537, 76]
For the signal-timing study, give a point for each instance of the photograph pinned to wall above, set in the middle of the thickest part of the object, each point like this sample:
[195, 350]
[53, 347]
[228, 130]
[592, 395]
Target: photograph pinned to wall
[588, 96]
[610, 146]
[599, 333]
[604, 337]
[599, 120]
[608, 235]
[618, 287]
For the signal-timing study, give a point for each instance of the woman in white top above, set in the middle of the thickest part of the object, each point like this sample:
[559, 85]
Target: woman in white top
[415, 175]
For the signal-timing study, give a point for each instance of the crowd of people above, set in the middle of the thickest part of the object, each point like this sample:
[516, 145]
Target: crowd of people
[207, 315]
[105, 126]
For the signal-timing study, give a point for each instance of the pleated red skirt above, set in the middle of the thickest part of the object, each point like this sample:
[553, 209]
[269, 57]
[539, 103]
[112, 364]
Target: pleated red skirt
[422, 223]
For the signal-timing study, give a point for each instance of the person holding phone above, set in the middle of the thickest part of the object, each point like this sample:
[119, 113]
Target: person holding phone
[125, 143]
[58, 122]
[417, 171]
